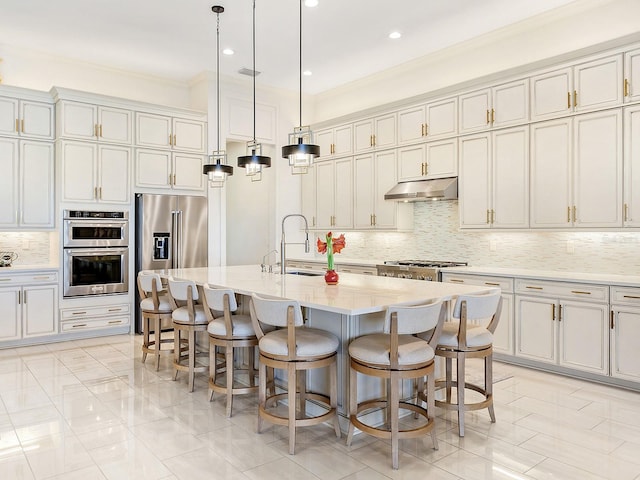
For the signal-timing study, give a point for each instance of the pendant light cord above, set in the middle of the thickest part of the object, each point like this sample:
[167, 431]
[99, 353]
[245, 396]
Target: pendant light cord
[301, 64]
[218, 77]
[254, 74]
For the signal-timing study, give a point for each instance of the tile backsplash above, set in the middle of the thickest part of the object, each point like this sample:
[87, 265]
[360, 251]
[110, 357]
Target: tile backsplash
[33, 248]
[437, 236]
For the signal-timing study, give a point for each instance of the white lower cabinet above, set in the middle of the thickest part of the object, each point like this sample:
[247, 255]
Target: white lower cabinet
[625, 331]
[28, 306]
[564, 324]
[91, 318]
[503, 336]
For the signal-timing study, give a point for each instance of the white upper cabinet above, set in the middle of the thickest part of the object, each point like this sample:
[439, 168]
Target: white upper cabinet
[84, 121]
[494, 179]
[335, 142]
[308, 191]
[159, 131]
[27, 184]
[499, 106]
[378, 132]
[334, 193]
[26, 118]
[632, 166]
[432, 121]
[166, 170]
[582, 87]
[429, 160]
[631, 88]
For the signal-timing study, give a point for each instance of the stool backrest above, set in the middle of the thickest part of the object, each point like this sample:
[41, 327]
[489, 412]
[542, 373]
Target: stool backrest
[179, 289]
[274, 311]
[483, 310]
[148, 280]
[214, 297]
[415, 318]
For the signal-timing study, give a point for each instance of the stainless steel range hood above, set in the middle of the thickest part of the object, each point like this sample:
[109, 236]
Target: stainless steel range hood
[438, 188]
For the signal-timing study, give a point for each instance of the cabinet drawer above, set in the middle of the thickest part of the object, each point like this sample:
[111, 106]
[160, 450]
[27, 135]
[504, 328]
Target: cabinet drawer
[625, 296]
[90, 312]
[29, 279]
[582, 291]
[93, 324]
[505, 284]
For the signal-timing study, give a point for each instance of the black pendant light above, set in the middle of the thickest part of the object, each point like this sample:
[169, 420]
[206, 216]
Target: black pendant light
[216, 169]
[254, 162]
[299, 153]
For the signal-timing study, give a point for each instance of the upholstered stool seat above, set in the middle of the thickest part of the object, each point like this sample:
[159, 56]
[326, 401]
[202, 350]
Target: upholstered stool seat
[155, 308]
[294, 349]
[397, 355]
[233, 333]
[469, 335]
[189, 318]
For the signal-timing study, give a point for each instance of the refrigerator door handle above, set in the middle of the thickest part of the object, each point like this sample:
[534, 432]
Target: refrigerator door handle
[174, 236]
[178, 239]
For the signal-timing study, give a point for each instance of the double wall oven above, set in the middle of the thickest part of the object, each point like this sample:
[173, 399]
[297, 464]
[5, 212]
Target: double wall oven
[96, 253]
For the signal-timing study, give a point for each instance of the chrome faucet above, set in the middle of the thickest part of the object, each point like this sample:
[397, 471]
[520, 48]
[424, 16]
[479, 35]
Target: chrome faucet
[283, 243]
[264, 265]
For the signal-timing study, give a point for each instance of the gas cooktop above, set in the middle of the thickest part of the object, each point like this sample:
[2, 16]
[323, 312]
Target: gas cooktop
[428, 270]
[425, 263]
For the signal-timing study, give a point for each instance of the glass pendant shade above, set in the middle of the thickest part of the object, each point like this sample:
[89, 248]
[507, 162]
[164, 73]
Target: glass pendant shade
[216, 170]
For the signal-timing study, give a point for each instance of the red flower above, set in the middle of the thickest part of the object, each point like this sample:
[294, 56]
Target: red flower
[338, 243]
[322, 246]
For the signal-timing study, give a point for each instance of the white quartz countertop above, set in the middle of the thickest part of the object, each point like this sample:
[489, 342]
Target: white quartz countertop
[354, 295]
[600, 278]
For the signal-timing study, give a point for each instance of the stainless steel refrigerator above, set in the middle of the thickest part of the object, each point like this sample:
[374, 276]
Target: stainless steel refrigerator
[171, 232]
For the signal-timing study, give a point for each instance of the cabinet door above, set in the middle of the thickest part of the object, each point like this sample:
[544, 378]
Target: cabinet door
[77, 120]
[189, 135]
[551, 156]
[385, 168]
[632, 167]
[114, 125]
[324, 139]
[441, 159]
[551, 94]
[364, 185]
[8, 116]
[510, 103]
[342, 140]
[10, 313]
[9, 197]
[503, 336]
[36, 119]
[363, 136]
[475, 181]
[325, 196]
[442, 119]
[153, 130]
[411, 124]
[39, 310]
[153, 169]
[308, 190]
[474, 111]
[584, 337]
[79, 171]
[598, 169]
[343, 207]
[188, 171]
[632, 76]
[411, 163]
[385, 135]
[598, 84]
[625, 354]
[113, 174]
[36, 184]
[511, 178]
[536, 329]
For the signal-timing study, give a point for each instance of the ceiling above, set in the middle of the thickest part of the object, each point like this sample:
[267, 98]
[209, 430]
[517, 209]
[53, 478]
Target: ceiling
[343, 39]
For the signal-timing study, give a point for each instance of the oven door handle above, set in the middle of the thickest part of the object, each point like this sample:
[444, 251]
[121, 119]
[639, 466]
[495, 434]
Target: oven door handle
[97, 251]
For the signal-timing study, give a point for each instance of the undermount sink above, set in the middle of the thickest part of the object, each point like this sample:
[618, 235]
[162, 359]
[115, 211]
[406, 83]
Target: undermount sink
[306, 274]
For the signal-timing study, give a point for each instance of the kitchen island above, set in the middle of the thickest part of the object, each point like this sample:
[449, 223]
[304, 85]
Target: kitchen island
[354, 307]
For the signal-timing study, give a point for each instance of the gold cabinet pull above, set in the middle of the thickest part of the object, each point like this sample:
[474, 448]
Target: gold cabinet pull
[174, 180]
[568, 214]
[611, 324]
[493, 284]
[22, 124]
[422, 129]
[374, 141]
[170, 177]
[493, 217]
[575, 98]
[553, 312]
[631, 296]
[375, 220]
[456, 280]
[95, 193]
[579, 292]
[626, 212]
[170, 139]
[17, 125]
[78, 325]
[114, 321]
[175, 139]
[100, 193]
[371, 140]
[487, 116]
[101, 130]
[488, 213]
[313, 221]
[426, 129]
[426, 168]
[95, 130]
[559, 313]
[422, 168]
[575, 215]
[534, 288]
[493, 115]
[568, 99]
[79, 313]
[626, 87]
[370, 219]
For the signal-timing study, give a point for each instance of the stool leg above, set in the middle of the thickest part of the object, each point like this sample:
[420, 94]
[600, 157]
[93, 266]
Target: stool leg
[333, 395]
[262, 392]
[145, 336]
[302, 393]
[488, 384]
[192, 358]
[252, 366]
[431, 406]
[177, 352]
[393, 405]
[212, 367]
[353, 402]
[460, 360]
[158, 332]
[448, 368]
[228, 352]
[291, 392]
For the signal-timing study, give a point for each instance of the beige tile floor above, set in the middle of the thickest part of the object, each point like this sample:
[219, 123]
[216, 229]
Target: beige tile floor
[91, 410]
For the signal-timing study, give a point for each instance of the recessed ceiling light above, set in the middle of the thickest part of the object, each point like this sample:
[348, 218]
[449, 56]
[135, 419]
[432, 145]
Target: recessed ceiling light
[307, 73]
[311, 3]
[228, 51]
[395, 35]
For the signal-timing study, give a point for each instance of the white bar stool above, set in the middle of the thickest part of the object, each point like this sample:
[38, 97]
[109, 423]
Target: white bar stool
[154, 308]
